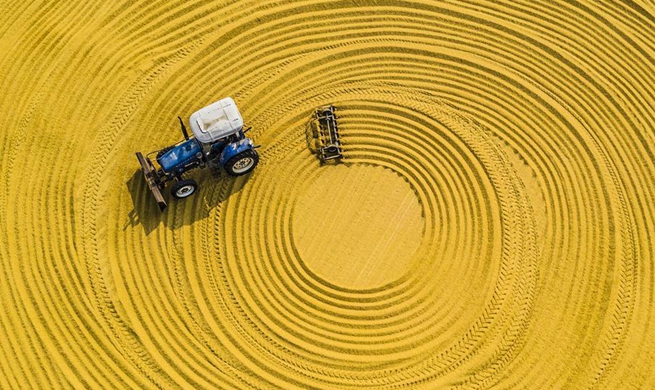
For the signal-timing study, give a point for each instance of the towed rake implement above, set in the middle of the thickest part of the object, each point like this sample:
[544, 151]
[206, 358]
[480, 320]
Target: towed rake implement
[328, 134]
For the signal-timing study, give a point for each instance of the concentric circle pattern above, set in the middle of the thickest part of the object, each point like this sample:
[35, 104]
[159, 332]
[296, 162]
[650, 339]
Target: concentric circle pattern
[490, 226]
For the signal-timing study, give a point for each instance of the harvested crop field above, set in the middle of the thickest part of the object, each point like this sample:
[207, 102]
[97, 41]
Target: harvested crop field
[490, 224]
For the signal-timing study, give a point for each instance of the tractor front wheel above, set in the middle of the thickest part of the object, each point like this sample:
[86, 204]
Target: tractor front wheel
[184, 188]
[242, 163]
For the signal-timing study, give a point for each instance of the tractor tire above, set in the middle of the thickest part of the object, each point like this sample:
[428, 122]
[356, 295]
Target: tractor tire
[184, 188]
[242, 163]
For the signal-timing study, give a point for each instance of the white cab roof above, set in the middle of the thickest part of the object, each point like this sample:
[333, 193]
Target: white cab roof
[216, 121]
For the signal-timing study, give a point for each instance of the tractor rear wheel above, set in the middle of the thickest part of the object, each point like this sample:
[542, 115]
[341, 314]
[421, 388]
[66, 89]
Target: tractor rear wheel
[242, 163]
[184, 188]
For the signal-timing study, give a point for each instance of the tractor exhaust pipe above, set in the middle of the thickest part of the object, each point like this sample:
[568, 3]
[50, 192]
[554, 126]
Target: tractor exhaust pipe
[186, 134]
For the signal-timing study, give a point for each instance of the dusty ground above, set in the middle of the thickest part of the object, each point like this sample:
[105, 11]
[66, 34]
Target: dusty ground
[491, 224]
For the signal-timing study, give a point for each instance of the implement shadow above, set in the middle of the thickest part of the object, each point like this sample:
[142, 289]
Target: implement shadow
[212, 192]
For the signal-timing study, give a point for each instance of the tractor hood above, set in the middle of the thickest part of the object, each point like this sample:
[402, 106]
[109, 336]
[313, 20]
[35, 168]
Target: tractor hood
[216, 121]
[180, 155]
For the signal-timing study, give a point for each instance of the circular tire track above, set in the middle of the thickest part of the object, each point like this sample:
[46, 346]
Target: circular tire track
[523, 131]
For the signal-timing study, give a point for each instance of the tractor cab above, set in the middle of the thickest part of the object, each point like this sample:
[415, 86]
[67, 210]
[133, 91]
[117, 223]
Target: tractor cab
[219, 131]
[216, 122]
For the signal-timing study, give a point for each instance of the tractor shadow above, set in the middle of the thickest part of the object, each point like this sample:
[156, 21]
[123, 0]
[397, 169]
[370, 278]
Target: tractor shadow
[211, 193]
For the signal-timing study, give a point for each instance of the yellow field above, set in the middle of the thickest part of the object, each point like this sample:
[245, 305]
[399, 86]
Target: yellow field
[490, 226]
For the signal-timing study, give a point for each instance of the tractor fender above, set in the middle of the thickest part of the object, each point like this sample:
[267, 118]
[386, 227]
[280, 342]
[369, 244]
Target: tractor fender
[233, 149]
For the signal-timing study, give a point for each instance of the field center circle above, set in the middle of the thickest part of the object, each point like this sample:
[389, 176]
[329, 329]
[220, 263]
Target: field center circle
[358, 226]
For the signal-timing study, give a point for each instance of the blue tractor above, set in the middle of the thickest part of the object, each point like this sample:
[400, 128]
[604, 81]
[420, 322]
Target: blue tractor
[218, 143]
